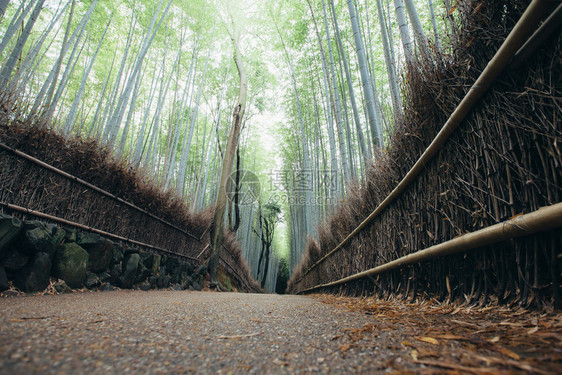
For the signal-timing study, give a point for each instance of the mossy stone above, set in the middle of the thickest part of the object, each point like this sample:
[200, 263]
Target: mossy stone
[71, 263]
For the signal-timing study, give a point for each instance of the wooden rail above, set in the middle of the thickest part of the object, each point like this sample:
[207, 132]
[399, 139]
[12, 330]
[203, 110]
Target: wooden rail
[73, 224]
[541, 220]
[521, 32]
[97, 189]
[42, 215]
[233, 270]
[27, 211]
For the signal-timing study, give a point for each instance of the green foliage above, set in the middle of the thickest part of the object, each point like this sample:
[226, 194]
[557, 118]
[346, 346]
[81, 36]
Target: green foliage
[200, 26]
[272, 212]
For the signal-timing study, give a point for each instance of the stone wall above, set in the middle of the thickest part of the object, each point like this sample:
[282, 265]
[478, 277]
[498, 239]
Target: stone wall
[35, 255]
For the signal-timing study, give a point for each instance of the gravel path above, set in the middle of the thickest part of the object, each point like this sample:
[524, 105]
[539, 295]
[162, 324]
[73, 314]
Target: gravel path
[185, 332]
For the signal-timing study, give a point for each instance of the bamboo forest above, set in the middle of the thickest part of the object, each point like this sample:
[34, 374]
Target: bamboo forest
[375, 183]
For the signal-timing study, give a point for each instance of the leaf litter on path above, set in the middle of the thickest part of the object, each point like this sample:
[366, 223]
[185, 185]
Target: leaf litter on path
[458, 338]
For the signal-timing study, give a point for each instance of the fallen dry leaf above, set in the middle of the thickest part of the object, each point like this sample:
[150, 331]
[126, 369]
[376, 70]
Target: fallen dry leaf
[466, 324]
[505, 351]
[470, 338]
[345, 347]
[423, 352]
[533, 330]
[453, 366]
[451, 337]
[429, 340]
[511, 324]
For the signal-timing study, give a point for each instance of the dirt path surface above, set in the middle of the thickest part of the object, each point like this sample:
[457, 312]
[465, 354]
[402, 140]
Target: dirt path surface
[175, 332]
[197, 332]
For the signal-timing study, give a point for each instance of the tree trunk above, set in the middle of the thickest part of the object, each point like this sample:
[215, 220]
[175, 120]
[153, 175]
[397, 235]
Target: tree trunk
[238, 115]
[52, 96]
[62, 88]
[93, 128]
[121, 147]
[117, 116]
[306, 153]
[182, 171]
[374, 123]
[332, 97]
[360, 135]
[110, 106]
[419, 34]
[151, 152]
[72, 114]
[34, 51]
[15, 24]
[347, 163]
[10, 63]
[236, 224]
[142, 134]
[3, 6]
[390, 68]
[266, 265]
[261, 221]
[199, 201]
[388, 24]
[450, 18]
[171, 137]
[50, 84]
[171, 156]
[331, 135]
[404, 32]
[434, 24]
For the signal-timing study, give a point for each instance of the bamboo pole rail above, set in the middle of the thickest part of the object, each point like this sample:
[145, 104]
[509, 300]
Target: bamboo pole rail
[240, 278]
[548, 27]
[42, 215]
[521, 32]
[97, 189]
[541, 220]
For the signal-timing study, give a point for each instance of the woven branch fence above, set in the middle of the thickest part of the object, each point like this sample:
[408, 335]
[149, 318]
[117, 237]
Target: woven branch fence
[502, 161]
[29, 183]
